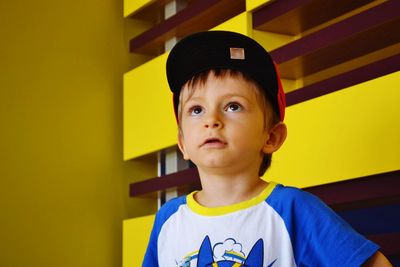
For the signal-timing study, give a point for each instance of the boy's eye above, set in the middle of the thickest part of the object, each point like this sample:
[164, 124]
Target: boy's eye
[233, 107]
[196, 110]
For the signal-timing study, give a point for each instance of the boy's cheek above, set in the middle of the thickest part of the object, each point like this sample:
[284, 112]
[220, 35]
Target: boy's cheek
[188, 123]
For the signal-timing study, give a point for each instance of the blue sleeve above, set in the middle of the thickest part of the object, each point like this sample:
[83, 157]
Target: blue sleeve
[166, 211]
[319, 236]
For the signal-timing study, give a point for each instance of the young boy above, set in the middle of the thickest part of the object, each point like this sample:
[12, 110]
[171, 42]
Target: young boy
[230, 107]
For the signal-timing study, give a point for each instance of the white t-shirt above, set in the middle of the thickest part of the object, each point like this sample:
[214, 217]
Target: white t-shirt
[282, 226]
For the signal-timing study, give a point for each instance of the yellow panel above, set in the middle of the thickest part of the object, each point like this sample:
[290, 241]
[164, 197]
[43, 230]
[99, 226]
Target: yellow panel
[346, 134]
[131, 6]
[149, 121]
[252, 4]
[136, 233]
[241, 24]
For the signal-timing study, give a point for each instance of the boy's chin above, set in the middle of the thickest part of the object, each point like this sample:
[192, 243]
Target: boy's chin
[216, 165]
[213, 161]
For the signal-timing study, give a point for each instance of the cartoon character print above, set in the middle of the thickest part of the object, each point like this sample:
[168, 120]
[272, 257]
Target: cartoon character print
[229, 250]
[206, 256]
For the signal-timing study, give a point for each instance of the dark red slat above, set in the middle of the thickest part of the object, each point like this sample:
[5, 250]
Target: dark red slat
[371, 18]
[275, 9]
[383, 185]
[344, 80]
[199, 16]
[390, 243]
[170, 23]
[186, 177]
[300, 16]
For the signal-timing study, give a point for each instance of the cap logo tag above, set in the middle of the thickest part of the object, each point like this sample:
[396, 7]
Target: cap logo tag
[237, 53]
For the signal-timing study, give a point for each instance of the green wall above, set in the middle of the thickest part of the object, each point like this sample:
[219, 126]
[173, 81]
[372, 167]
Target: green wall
[63, 183]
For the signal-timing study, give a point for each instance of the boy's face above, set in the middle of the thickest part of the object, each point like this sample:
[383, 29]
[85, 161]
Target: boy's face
[222, 125]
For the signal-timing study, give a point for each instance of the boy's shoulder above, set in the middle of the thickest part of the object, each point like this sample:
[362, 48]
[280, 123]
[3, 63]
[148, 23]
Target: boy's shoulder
[284, 196]
[291, 193]
[170, 207]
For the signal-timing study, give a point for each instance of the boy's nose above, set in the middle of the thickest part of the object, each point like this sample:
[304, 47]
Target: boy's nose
[213, 122]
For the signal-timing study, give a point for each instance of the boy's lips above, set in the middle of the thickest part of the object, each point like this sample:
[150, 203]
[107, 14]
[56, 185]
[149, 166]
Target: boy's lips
[214, 142]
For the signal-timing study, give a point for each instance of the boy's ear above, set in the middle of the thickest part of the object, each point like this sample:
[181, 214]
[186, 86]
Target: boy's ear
[181, 145]
[276, 137]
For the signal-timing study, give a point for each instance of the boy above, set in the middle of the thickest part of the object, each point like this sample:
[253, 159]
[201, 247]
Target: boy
[230, 107]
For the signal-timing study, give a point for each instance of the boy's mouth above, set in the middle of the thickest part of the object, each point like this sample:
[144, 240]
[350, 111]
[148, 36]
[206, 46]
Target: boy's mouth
[214, 142]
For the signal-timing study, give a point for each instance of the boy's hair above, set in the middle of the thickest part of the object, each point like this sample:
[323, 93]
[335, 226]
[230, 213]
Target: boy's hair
[270, 116]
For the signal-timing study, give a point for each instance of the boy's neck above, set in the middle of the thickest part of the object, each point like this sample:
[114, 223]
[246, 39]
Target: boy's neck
[224, 190]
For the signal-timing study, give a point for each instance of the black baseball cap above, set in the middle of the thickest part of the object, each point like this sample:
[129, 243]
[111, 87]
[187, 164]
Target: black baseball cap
[208, 50]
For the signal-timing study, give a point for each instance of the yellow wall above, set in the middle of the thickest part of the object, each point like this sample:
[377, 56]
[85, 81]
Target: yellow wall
[63, 183]
[346, 134]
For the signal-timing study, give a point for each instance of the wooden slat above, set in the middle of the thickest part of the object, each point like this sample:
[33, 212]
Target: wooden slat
[181, 178]
[199, 16]
[385, 185]
[374, 187]
[344, 80]
[356, 36]
[300, 15]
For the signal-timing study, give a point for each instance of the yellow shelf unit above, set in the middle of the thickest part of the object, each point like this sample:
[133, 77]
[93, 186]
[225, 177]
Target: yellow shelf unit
[338, 136]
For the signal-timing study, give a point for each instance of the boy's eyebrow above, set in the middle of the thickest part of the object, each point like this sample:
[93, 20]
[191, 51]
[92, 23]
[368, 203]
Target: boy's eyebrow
[191, 99]
[230, 95]
[222, 96]
[236, 95]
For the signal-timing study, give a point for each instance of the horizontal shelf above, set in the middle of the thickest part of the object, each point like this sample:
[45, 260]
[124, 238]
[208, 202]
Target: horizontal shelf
[384, 185]
[178, 179]
[369, 59]
[197, 16]
[300, 15]
[345, 194]
[368, 31]
[344, 80]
